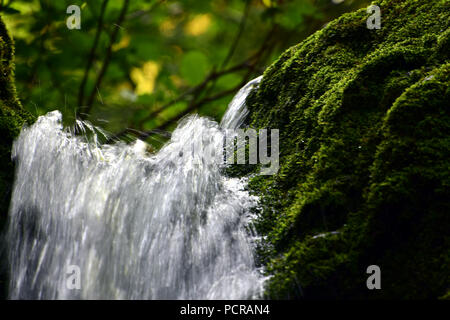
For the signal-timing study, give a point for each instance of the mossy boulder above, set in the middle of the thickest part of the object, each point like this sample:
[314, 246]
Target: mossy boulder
[364, 175]
[12, 118]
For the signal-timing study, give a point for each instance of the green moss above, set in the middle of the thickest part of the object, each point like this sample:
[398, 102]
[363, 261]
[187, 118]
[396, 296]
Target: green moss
[364, 148]
[12, 118]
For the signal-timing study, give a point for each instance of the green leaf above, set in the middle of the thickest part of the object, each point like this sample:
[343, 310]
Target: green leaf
[229, 81]
[194, 67]
[294, 14]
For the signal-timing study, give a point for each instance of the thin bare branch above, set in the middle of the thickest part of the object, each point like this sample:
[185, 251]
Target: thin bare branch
[87, 108]
[250, 64]
[256, 58]
[238, 35]
[196, 105]
[140, 13]
[194, 90]
[92, 53]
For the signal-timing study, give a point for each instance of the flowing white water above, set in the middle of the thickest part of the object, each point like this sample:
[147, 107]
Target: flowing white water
[236, 113]
[138, 226]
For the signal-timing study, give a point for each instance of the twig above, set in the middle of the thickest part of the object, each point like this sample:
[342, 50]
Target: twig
[250, 64]
[233, 47]
[195, 105]
[92, 53]
[139, 13]
[238, 35]
[198, 88]
[86, 109]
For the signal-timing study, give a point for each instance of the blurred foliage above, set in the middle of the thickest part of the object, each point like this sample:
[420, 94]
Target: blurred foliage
[146, 64]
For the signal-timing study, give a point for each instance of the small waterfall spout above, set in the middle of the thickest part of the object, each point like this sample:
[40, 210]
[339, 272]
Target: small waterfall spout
[134, 225]
[237, 112]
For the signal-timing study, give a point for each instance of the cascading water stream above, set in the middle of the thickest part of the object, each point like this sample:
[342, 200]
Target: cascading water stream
[164, 226]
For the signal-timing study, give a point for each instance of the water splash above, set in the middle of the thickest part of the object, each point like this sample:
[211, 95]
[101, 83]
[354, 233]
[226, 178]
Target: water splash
[139, 226]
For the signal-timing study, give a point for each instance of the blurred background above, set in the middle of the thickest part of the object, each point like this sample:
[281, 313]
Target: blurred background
[137, 67]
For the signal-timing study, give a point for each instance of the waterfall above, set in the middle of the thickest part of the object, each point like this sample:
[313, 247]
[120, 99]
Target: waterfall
[236, 113]
[168, 225]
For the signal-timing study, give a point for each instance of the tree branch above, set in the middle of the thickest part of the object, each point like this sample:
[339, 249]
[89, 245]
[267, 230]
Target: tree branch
[194, 105]
[194, 90]
[86, 109]
[238, 35]
[92, 53]
[140, 13]
[249, 64]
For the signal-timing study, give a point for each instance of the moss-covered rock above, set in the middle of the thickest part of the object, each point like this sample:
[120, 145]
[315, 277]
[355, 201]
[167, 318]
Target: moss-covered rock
[12, 118]
[364, 173]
